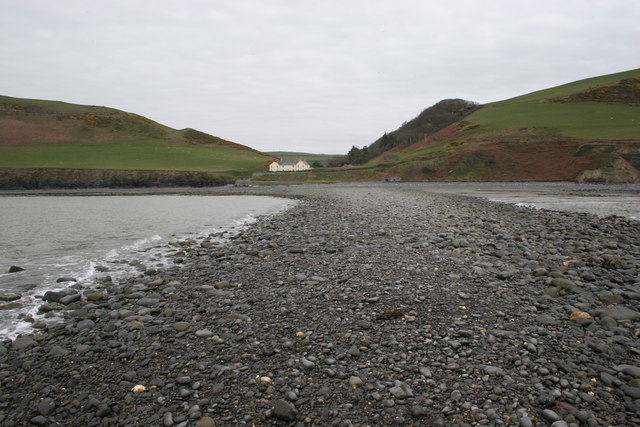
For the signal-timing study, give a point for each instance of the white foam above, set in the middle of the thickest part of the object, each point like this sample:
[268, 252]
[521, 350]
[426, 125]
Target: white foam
[154, 250]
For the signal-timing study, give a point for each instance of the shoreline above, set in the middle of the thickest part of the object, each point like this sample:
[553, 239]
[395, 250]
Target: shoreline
[139, 191]
[364, 304]
[453, 187]
[80, 255]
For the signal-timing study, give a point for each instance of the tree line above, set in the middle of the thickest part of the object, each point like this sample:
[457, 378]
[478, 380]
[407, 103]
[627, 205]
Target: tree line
[429, 121]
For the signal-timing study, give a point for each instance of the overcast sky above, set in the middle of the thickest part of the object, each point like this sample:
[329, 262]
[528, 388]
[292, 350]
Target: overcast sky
[296, 75]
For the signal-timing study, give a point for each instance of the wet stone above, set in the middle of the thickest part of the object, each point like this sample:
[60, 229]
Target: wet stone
[283, 410]
[181, 326]
[22, 343]
[69, 299]
[550, 415]
[53, 296]
[355, 382]
[58, 351]
[403, 322]
[10, 306]
[205, 422]
[10, 297]
[148, 301]
[46, 407]
[629, 370]
[621, 313]
[39, 420]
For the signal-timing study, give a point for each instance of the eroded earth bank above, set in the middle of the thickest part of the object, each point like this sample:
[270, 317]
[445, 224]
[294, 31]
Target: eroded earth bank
[359, 306]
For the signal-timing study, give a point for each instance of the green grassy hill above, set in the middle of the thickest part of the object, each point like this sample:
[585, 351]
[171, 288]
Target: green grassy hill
[572, 88]
[586, 131]
[51, 134]
[605, 108]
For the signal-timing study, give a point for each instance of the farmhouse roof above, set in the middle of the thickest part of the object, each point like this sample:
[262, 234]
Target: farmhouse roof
[289, 163]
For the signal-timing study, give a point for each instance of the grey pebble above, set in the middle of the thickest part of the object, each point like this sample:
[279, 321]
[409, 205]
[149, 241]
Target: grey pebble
[550, 415]
[428, 308]
[525, 421]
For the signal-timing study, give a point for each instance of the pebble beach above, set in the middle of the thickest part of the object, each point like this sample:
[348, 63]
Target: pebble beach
[359, 306]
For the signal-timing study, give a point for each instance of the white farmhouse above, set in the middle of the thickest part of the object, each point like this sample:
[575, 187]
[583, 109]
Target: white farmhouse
[298, 166]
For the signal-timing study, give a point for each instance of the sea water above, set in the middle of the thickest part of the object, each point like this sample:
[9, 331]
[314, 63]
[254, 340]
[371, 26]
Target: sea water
[86, 237]
[627, 206]
[597, 199]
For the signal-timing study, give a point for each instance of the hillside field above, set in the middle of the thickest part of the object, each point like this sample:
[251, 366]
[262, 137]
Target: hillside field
[587, 131]
[131, 156]
[52, 134]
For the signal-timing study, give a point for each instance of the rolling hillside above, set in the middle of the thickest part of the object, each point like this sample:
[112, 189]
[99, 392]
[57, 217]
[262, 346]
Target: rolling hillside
[38, 134]
[427, 123]
[587, 131]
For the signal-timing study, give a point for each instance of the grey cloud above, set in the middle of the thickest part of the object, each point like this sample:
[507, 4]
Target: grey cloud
[310, 76]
